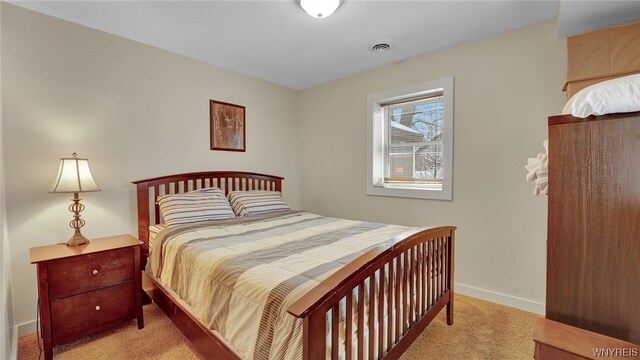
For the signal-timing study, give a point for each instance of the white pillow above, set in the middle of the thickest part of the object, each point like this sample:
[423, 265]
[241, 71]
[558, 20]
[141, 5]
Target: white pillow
[612, 96]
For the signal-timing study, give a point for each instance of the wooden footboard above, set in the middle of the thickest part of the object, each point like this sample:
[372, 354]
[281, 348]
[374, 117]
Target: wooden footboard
[391, 292]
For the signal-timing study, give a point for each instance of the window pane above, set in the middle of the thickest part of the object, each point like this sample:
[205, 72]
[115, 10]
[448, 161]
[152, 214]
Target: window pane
[429, 163]
[414, 147]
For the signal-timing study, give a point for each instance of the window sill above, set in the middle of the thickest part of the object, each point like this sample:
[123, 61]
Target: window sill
[414, 193]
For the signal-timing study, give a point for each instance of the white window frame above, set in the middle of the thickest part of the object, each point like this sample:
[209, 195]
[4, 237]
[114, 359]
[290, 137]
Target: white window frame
[375, 141]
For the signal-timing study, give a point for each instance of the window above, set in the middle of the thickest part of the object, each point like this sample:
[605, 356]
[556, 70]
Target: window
[410, 141]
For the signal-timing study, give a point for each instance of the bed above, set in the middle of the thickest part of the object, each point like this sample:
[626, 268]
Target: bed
[391, 285]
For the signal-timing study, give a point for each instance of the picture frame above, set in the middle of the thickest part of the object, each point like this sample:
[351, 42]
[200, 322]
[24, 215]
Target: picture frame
[227, 126]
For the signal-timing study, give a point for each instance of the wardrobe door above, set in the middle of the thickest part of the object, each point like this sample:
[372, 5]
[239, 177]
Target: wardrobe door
[593, 247]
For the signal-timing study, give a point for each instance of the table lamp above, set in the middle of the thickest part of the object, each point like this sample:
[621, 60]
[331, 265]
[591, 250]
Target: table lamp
[74, 176]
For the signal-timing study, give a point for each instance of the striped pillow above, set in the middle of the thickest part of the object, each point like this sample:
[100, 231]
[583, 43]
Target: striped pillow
[209, 190]
[199, 205]
[247, 203]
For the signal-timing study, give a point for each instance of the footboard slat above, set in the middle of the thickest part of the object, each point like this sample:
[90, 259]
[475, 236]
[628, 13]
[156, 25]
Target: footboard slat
[335, 321]
[391, 306]
[361, 321]
[398, 308]
[441, 268]
[412, 277]
[439, 278]
[437, 270]
[335, 332]
[349, 326]
[445, 266]
[432, 262]
[372, 316]
[381, 301]
[405, 293]
[423, 282]
[451, 243]
[418, 280]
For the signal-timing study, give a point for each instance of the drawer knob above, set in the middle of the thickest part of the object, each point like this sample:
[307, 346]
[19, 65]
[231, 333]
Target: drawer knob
[95, 272]
[97, 307]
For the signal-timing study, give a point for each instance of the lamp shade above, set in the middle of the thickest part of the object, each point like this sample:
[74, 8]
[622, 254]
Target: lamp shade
[74, 175]
[319, 8]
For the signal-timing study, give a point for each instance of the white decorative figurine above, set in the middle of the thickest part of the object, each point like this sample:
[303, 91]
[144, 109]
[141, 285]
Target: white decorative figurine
[537, 170]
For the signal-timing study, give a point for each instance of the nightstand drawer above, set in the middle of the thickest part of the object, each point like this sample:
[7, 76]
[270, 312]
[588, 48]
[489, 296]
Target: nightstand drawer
[84, 273]
[90, 312]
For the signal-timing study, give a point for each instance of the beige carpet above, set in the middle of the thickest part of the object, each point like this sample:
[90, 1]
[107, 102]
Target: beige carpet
[482, 330]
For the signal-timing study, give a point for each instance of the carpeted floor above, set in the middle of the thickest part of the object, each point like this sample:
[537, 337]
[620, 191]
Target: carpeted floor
[482, 330]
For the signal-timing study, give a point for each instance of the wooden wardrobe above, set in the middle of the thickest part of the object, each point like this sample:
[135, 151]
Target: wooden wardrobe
[593, 245]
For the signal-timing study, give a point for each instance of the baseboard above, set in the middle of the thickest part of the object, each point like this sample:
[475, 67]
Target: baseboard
[14, 344]
[26, 328]
[502, 299]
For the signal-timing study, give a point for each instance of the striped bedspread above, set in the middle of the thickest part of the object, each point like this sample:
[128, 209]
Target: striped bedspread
[239, 276]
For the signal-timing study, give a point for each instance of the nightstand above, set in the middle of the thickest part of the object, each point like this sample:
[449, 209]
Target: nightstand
[87, 288]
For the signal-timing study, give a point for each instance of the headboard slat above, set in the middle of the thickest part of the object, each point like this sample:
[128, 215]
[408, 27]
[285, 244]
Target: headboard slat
[155, 205]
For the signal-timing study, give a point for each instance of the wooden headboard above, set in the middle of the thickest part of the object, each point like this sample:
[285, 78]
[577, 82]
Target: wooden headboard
[149, 189]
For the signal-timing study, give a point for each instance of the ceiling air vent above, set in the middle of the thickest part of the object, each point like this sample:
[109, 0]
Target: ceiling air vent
[380, 47]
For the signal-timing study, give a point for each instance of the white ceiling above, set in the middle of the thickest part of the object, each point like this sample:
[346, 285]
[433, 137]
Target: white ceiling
[277, 41]
[583, 16]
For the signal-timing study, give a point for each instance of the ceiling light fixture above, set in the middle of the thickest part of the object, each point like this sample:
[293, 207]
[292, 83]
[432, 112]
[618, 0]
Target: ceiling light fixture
[319, 8]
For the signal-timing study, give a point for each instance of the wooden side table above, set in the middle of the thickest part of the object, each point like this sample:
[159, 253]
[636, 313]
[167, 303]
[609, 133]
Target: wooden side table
[87, 288]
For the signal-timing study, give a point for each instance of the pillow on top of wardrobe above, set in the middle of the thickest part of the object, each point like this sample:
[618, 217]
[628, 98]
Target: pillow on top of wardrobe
[619, 95]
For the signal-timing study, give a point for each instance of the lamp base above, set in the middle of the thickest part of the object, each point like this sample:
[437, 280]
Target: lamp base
[76, 223]
[77, 239]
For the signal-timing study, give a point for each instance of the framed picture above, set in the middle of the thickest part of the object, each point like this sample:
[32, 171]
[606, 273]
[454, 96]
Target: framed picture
[228, 131]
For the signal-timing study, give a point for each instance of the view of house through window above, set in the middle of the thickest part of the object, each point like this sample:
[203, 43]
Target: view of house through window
[410, 141]
[414, 142]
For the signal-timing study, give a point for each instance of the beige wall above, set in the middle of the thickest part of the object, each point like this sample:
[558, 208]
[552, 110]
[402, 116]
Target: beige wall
[505, 87]
[135, 111]
[6, 320]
